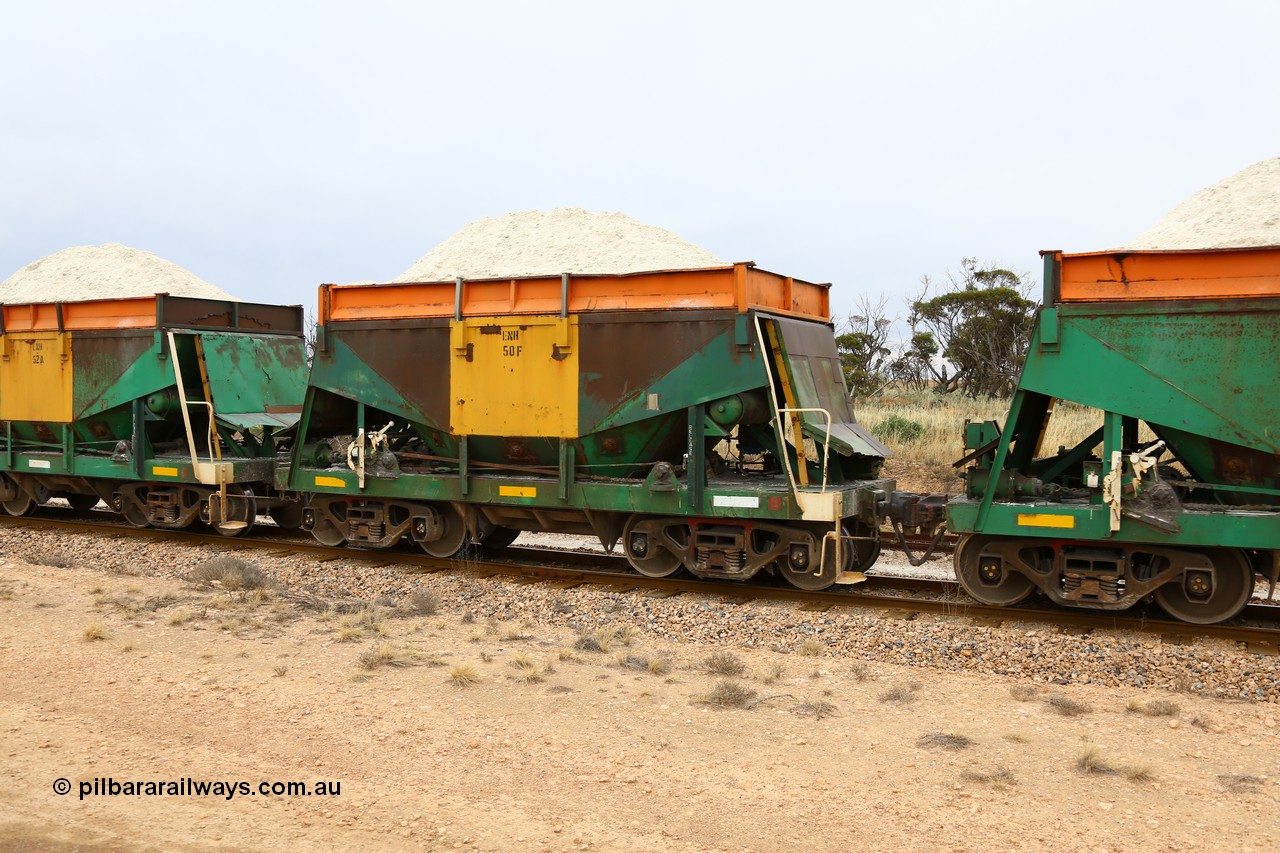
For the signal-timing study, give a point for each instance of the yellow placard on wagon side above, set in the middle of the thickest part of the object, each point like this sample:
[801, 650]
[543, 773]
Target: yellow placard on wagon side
[1045, 519]
[517, 491]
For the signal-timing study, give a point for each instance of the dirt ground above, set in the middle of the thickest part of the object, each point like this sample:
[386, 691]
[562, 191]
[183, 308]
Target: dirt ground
[139, 679]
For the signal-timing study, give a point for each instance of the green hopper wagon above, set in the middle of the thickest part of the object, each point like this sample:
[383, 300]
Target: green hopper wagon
[1176, 494]
[170, 409]
[698, 416]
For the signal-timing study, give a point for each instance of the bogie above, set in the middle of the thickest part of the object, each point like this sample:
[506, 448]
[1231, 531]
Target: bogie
[1202, 586]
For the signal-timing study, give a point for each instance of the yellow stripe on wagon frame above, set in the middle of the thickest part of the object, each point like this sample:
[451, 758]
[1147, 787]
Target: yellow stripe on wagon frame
[164, 471]
[332, 482]
[517, 491]
[1046, 520]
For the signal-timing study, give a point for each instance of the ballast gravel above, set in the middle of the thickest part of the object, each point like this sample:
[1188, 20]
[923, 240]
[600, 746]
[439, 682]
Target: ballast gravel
[1019, 650]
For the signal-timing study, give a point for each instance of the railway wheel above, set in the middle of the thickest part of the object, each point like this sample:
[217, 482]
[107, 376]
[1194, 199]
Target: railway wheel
[454, 538]
[498, 538]
[646, 555]
[327, 533]
[81, 503]
[986, 579]
[1202, 597]
[22, 504]
[865, 552]
[132, 509]
[233, 515]
[799, 566]
[287, 516]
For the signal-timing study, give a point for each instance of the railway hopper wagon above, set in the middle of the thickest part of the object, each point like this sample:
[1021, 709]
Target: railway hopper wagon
[168, 408]
[1176, 493]
[699, 417]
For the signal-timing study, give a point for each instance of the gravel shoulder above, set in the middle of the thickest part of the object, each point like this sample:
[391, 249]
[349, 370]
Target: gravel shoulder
[843, 728]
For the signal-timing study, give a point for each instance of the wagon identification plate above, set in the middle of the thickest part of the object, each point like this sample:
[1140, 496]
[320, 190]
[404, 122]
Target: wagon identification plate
[737, 501]
[517, 491]
[1043, 519]
[514, 376]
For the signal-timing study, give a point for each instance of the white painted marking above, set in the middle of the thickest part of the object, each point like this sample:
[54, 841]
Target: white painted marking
[735, 501]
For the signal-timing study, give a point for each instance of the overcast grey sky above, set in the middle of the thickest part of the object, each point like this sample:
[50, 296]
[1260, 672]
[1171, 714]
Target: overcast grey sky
[271, 146]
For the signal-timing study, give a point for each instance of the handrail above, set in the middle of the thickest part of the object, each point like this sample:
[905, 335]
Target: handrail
[186, 415]
[826, 445]
[782, 440]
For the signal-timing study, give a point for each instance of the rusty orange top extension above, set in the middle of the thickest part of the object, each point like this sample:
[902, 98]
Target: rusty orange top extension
[1155, 275]
[131, 313]
[739, 287]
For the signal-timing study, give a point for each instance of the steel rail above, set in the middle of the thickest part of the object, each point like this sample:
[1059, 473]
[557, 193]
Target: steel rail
[1258, 627]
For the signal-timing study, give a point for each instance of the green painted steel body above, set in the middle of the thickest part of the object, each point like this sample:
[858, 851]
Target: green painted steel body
[1199, 373]
[655, 388]
[127, 422]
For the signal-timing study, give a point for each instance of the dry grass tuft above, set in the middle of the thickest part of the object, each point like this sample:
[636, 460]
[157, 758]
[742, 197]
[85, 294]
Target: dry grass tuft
[944, 740]
[596, 639]
[730, 694]
[463, 675]
[231, 573]
[1240, 784]
[861, 671]
[724, 663]
[55, 557]
[1024, 692]
[94, 632]
[1090, 760]
[1154, 708]
[280, 670]
[1000, 777]
[527, 669]
[819, 710]
[180, 617]
[659, 665]
[1162, 708]
[1138, 772]
[1067, 706]
[812, 647]
[307, 601]
[356, 626]
[387, 654]
[774, 673]
[899, 694]
[423, 602]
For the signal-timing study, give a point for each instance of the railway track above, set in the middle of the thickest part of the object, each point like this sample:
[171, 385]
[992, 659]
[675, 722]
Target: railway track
[907, 597]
